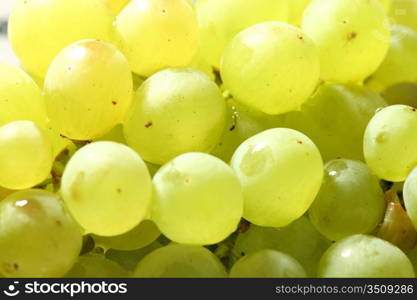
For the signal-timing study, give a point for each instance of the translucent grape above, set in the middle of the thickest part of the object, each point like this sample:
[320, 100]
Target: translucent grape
[36, 42]
[410, 196]
[220, 20]
[352, 36]
[117, 5]
[187, 115]
[390, 142]
[268, 264]
[107, 188]
[386, 4]
[20, 97]
[271, 67]
[400, 64]
[38, 238]
[285, 167]
[114, 135]
[141, 236]
[401, 93]
[325, 116]
[296, 11]
[300, 239]
[404, 12]
[158, 34]
[180, 261]
[413, 257]
[96, 266]
[365, 256]
[88, 89]
[197, 199]
[348, 186]
[25, 155]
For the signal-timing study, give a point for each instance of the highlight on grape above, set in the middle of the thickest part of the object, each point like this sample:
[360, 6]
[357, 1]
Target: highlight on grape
[209, 138]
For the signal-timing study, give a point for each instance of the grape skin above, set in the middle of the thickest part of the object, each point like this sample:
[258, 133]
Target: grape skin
[410, 196]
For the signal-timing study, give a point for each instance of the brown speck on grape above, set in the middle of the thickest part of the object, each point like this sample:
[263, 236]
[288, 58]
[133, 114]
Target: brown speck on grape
[232, 128]
[164, 11]
[16, 266]
[119, 190]
[352, 35]
[186, 180]
[299, 142]
[300, 37]
[414, 109]
[114, 102]
[149, 124]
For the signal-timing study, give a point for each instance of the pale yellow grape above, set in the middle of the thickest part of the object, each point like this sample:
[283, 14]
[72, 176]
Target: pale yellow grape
[39, 29]
[220, 20]
[386, 4]
[38, 238]
[267, 264]
[197, 199]
[404, 12]
[400, 64]
[20, 97]
[364, 256]
[272, 67]
[280, 171]
[410, 196]
[25, 155]
[59, 143]
[200, 63]
[390, 142]
[158, 34]
[88, 89]
[352, 36]
[107, 188]
[401, 93]
[141, 236]
[96, 266]
[175, 111]
[296, 11]
[117, 5]
[180, 261]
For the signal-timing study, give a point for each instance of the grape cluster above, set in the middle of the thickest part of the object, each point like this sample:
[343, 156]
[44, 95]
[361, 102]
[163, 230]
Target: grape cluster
[209, 138]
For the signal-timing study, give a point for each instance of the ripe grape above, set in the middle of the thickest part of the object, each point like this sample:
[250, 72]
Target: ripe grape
[410, 196]
[117, 5]
[197, 199]
[300, 239]
[187, 115]
[25, 155]
[141, 236]
[401, 93]
[114, 135]
[180, 261]
[364, 256]
[20, 97]
[158, 34]
[95, 266]
[400, 64]
[325, 116]
[39, 29]
[268, 264]
[296, 11]
[390, 141]
[88, 89]
[272, 67]
[352, 36]
[220, 20]
[348, 186]
[285, 167]
[38, 238]
[404, 12]
[107, 188]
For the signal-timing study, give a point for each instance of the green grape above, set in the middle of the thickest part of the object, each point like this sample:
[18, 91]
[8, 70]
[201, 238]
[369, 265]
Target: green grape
[38, 238]
[410, 196]
[59, 143]
[386, 4]
[152, 168]
[187, 115]
[96, 266]
[139, 237]
[413, 258]
[400, 64]
[390, 142]
[20, 97]
[25, 155]
[272, 67]
[180, 261]
[352, 36]
[88, 89]
[285, 167]
[300, 239]
[158, 34]
[129, 259]
[404, 12]
[220, 20]
[114, 135]
[200, 63]
[39, 29]
[325, 116]
[197, 199]
[401, 93]
[4, 192]
[267, 264]
[364, 256]
[350, 200]
[107, 188]
[117, 5]
[296, 11]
